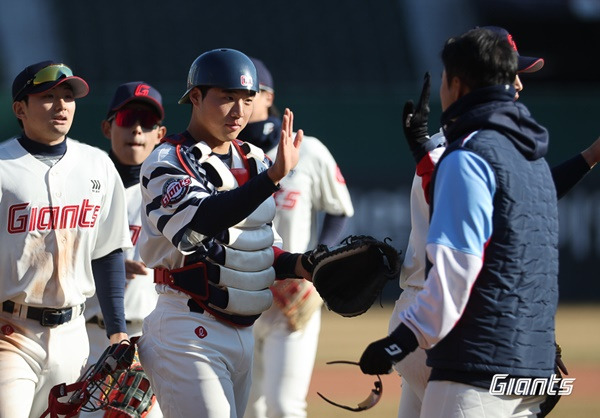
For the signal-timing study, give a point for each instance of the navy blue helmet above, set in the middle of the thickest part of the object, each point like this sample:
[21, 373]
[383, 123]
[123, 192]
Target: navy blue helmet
[224, 68]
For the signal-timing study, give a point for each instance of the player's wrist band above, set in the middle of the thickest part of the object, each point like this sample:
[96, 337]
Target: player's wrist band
[47, 317]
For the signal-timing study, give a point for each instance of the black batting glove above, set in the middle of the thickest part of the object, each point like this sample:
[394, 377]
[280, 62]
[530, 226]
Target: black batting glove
[381, 355]
[414, 122]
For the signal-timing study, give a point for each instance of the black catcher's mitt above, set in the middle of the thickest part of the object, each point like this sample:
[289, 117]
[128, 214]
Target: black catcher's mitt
[350, 276]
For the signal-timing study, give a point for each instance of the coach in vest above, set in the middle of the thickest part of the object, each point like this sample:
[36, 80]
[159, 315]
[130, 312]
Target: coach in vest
[487, 310]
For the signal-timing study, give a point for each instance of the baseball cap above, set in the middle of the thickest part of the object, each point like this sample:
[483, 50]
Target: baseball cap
[136, 91]
[44, 75]
[265, 81]
[526, 64]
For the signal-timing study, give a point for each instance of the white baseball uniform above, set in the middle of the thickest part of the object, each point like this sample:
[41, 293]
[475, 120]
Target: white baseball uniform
[197, 349]
[140, 295]
[56, 220]
[284, 357]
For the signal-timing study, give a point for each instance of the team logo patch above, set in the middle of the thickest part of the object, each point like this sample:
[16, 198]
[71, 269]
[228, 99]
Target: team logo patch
[268, 128]
[201, 332]
[7, 330]
[246, 80]
[142, 90]
[175, 190]
[95, 186]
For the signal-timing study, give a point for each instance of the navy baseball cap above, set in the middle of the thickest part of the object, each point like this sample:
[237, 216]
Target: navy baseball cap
[526, 64]
[44, 75]
[138, 91]
[265, 81]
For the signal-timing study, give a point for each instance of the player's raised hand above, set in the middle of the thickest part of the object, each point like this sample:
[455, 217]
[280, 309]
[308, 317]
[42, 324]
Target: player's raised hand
[288, 151]
[414, 122]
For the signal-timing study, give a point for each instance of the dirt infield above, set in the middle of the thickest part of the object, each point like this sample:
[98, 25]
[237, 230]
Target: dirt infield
[346, 338]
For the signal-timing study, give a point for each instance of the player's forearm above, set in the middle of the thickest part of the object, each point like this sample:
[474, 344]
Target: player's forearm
[109, 276]
[289, 265]
[567, 174]
[592, 153]
[221, 211]
[333, 227]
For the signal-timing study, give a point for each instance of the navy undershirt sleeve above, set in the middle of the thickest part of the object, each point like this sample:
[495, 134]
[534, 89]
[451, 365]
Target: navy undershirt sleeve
[285, 266]
[221, 211]
[109, 276]
[331, 231]
[567, 174]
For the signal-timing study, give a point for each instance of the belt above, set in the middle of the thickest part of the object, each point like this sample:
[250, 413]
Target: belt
[47, 317]
[96, 320]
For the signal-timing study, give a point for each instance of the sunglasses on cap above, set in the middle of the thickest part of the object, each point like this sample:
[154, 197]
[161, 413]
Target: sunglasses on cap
[47, 74]
[126, 118]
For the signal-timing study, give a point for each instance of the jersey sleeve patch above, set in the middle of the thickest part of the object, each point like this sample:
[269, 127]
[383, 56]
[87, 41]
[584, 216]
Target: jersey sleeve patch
[174, 190]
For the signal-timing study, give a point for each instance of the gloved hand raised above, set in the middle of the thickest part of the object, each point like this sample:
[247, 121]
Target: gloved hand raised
[380, 356]
[414, 123]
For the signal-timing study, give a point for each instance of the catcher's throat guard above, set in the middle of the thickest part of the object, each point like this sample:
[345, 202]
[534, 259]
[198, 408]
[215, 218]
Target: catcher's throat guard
[368, 403]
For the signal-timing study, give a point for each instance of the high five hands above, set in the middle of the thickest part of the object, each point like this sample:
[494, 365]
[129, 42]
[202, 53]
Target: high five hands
[288, 151]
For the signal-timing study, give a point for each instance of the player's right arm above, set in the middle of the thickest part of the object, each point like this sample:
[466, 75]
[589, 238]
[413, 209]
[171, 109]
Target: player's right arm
[567, 174]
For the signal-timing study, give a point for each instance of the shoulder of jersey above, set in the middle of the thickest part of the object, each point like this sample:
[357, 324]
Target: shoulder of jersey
[312, 146]
[86, 150]
[8, 143]
[163, 153]
[85, 147]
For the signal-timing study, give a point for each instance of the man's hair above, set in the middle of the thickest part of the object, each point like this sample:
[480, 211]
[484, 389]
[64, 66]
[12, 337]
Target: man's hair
[480, 58]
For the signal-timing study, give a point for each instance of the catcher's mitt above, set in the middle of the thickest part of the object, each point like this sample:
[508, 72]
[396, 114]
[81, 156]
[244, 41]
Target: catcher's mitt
[350, 276]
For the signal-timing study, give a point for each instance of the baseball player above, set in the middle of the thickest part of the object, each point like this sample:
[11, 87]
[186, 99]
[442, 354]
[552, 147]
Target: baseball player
[207, 231]
[286, 335]
[64, 228]
[427, 151]
[133, 126]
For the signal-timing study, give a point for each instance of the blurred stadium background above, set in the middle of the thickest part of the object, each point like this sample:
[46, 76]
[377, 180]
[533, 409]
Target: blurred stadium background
[346, 69]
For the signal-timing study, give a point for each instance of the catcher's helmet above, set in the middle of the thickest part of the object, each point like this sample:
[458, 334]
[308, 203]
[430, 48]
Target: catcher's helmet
[224, 68]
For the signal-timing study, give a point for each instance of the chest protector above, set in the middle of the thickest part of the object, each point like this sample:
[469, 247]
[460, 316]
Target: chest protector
[231, 275]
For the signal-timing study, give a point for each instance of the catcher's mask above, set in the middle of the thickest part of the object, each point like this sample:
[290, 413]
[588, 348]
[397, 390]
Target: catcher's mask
[90, 392]
[368, 403]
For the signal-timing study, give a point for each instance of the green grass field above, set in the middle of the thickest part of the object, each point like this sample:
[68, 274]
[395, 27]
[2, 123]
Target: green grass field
[578, 333]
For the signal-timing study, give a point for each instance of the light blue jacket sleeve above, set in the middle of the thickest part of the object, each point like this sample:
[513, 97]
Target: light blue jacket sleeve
[463, 203]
